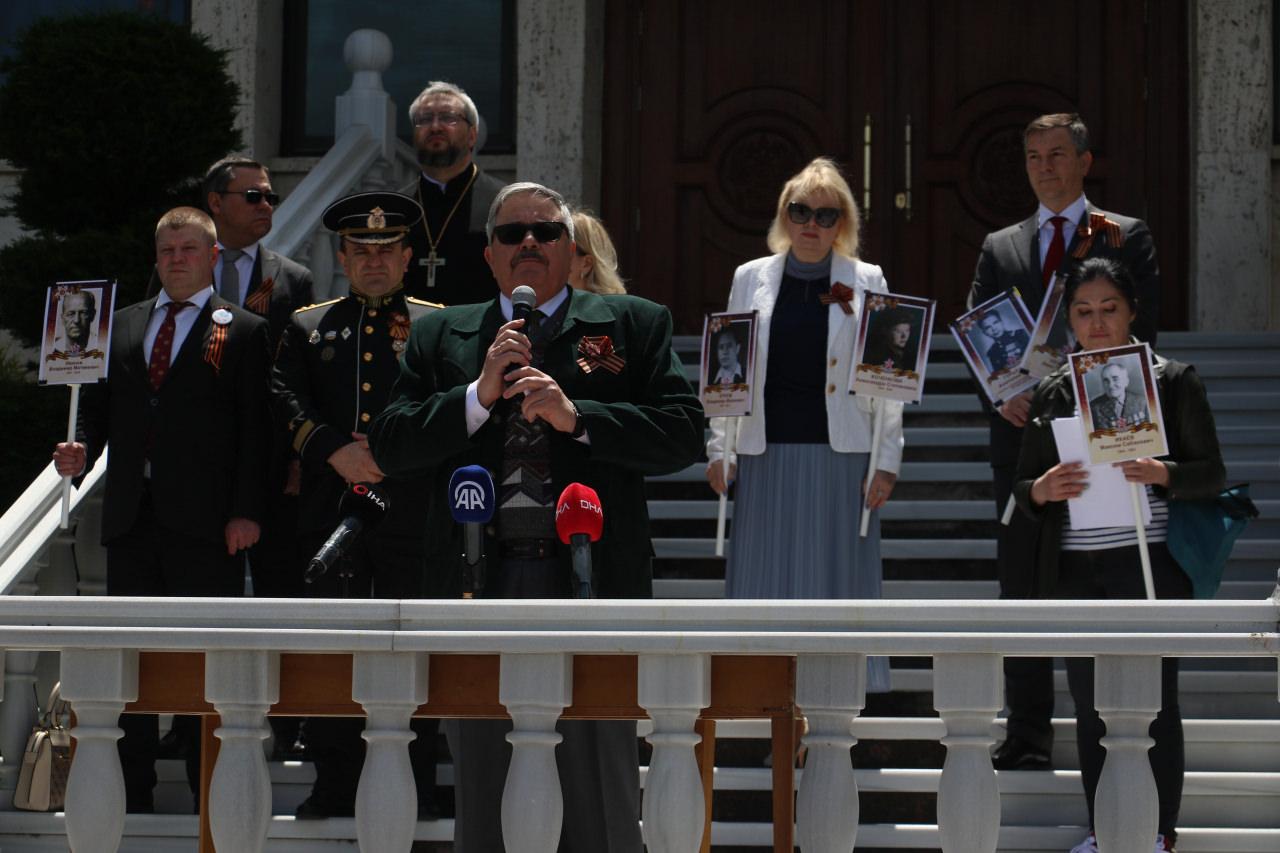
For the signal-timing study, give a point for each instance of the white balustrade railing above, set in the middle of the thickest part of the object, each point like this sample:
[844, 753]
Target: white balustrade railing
[675, 644]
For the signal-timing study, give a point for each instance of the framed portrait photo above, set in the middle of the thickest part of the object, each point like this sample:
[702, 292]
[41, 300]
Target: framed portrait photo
[892, 347]
[994, 339]
[1051, 339]
[76, 337]
[1119, 404]
[728, 364]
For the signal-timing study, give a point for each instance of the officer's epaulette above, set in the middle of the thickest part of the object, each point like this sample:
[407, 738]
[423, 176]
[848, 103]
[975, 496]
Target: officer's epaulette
[416, 301]
[319, 304]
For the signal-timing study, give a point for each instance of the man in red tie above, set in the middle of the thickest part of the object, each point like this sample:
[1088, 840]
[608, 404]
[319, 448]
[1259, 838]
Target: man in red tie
[1065, 227]
[183, 408]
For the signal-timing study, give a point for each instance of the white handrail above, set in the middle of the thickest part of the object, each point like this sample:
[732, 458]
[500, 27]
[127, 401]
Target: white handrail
[32, 521]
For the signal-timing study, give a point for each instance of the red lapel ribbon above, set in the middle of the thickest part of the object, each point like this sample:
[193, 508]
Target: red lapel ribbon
[261, 298]
[598, 352]
[841, 294]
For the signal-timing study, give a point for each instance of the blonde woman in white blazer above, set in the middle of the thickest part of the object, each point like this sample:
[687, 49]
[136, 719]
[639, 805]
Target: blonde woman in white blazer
[800, 458]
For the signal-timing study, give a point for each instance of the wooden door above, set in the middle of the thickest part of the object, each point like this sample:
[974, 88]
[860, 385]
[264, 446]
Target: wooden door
[712, 105]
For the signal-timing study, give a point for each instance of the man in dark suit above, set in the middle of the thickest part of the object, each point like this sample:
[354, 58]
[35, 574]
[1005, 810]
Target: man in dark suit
[1026, 256]
[588, 392]
[183, 409]
[448, 244]
[333, 374]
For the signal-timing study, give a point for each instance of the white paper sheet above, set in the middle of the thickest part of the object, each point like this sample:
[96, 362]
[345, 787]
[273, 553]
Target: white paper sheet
[1105, 503]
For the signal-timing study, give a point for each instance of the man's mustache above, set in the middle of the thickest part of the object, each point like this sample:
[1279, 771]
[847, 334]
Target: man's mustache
[528, 255]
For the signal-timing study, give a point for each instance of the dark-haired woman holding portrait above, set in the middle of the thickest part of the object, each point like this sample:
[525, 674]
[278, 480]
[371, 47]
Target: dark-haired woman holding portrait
[1103, 563]
[801, 456]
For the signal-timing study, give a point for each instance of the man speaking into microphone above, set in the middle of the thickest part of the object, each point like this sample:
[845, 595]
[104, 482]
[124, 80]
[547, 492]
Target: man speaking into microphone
[333, 374]
[586, 389]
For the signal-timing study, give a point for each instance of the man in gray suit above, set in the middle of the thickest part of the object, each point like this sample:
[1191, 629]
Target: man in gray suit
[1065, 227]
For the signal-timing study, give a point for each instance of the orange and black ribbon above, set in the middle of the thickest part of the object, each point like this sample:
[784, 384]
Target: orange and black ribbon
[217, 343]
[841, 294]
[1098, 223]
[399, 327]
[598, 352]
[261, 297]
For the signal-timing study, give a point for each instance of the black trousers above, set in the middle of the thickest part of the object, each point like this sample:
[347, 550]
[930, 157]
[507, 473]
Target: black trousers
[154, 560]
[1028, 682]
[598, 760]
[380, 565]
[1117, 573]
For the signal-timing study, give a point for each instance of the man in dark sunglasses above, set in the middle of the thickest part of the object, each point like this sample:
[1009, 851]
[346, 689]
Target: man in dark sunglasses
[585, 390]
[455, 194]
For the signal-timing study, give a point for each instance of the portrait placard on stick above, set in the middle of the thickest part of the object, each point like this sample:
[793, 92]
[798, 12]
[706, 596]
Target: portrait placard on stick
[1051, 340]
[75, 340]
[994, 338]
[892, 347]
[728, 364]
[1119, 404]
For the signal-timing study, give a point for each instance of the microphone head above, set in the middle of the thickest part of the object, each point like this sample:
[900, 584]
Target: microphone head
[523, 301]
[362, 502]
[578, 511]
[471, 495]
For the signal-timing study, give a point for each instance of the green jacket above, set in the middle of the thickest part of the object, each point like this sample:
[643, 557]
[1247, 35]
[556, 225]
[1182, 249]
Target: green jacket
[645, 419]
[1194, 461]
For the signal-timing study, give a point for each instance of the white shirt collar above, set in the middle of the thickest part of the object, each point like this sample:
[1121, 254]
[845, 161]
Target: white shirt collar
[548, 308]
[199, 299]
[1073, 213]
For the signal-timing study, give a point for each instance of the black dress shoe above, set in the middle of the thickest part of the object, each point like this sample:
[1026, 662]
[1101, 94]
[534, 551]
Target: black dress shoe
[1017, 754]
[172, 746]
[427, 808]
[313, 808]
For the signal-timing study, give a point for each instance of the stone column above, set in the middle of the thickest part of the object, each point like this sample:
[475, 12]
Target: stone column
[1231, 287]
[251, 31]
[559, 75]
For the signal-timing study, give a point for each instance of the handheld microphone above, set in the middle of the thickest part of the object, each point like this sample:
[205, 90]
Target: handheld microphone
[472, 501]
[361, 509]
[523, 301]
[579, 521]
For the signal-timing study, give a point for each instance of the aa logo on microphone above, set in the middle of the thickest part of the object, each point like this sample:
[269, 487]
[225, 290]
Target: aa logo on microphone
[468, 495]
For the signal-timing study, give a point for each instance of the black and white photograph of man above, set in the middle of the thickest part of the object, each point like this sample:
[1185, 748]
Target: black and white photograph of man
[1005, 343]
[78, 309]
[1115, 400]
[726, 368]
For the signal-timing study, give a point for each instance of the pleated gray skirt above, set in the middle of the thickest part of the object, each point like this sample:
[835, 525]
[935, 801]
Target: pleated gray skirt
[796, 513]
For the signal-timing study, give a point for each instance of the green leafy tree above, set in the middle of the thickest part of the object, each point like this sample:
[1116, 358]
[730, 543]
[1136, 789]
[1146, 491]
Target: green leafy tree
[112, 118]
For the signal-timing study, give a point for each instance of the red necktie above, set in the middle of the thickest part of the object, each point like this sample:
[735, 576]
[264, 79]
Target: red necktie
[158, 366]
[1057, 248]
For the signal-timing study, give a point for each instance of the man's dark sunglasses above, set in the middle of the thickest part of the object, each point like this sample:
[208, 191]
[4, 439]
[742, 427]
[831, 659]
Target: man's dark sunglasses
[800, 214]
[512, 234]
[255, 196]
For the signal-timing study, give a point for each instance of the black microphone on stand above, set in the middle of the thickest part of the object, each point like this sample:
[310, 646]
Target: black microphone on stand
[361, 508]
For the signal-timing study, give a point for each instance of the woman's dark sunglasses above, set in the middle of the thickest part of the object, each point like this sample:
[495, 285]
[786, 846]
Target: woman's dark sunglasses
[512, 234]
[801, 213]
[254, 196]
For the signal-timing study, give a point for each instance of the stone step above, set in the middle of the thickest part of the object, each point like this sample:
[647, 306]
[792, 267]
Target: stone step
[934, 589]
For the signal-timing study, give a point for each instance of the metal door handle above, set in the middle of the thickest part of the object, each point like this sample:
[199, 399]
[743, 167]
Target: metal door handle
[902, 200]
[866, 168]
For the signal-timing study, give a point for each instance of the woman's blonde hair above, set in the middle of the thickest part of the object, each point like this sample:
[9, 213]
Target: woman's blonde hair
[821, 175]
[593, 240]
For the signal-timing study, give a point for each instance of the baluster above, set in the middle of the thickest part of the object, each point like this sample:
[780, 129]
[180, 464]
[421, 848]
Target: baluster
[831, 690]
[968, 690]
[1126, 809]
[18, 711]
[242, 686]
[390, 686]
[673, 689]
[535, 688]
[97, 683]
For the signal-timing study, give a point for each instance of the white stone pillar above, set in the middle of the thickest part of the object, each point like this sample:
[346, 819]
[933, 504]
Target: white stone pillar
[1231, 286]
[367, 53]
[673, 689]
[558, 96]
[968, 690]
[390, 686]
[97, 683]
[242, 686]
[831, 691]
[534, 688]
[18, 710]
[1126, 807]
